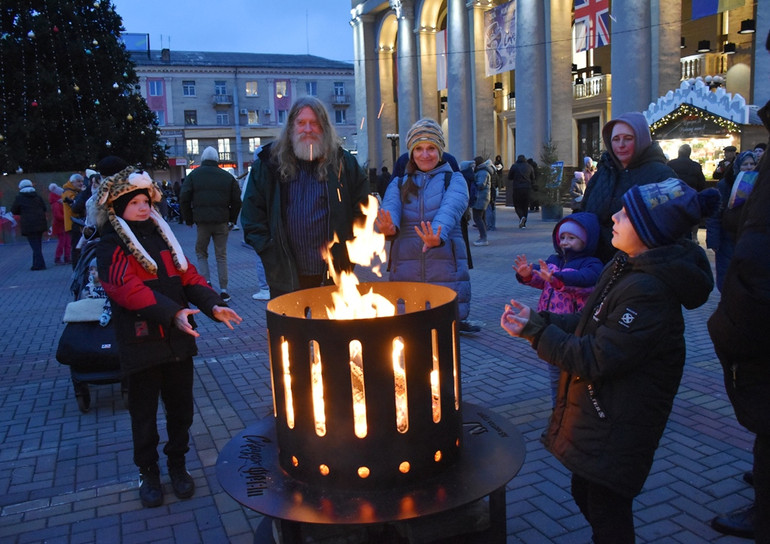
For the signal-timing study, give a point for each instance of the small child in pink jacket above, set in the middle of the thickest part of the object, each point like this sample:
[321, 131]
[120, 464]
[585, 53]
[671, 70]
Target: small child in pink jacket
[568, 276]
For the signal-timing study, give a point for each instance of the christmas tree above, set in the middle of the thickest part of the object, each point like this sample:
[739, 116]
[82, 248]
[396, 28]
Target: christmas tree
[69, 94]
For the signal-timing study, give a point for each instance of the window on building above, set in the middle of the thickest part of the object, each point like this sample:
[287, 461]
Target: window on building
[160, 115]
[254, 144]
[252, 89]
[188, 88]
[339, 88]
[253, 117]
[190, 117]
[220, 87]
[155, 87]
[192, 147]
[223, 144]
[311, 88]
[223, 119]
[282, 116]
[280, 89]
[339, 117]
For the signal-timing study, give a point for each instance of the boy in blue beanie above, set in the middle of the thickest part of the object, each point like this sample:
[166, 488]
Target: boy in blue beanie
[622, 358]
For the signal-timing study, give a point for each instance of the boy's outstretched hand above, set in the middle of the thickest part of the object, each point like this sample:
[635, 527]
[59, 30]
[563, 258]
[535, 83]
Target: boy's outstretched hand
[515, 317]
[226, 315]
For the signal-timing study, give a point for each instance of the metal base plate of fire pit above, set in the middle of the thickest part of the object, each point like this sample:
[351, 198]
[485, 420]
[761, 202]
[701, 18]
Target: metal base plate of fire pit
[248, 469]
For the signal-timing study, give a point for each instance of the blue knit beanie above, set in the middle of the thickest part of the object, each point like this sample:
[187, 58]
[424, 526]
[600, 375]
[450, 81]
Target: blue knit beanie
[661, 213]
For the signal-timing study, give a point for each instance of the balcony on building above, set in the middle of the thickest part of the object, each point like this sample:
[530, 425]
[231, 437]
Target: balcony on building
[222, 100]
[342, 100]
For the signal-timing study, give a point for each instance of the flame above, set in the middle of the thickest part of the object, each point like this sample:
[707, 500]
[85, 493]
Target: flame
[367, 248]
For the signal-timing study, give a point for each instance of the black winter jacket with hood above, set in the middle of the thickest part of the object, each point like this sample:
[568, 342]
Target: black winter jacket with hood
[622, 360]
[605, 191]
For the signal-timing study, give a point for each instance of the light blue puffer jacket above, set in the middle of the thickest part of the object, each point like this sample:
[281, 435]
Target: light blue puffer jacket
[446, 264]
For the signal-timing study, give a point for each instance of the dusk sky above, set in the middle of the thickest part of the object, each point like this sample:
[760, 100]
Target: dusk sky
[318, 27]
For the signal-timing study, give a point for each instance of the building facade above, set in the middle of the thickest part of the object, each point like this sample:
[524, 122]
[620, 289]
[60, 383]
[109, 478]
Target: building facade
[237, 102]
[505, 78]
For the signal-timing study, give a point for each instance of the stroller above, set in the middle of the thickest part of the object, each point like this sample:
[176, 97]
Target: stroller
[174, 214]
[88, 344]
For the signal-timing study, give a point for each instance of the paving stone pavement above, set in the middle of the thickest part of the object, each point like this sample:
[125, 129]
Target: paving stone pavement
[68, 477]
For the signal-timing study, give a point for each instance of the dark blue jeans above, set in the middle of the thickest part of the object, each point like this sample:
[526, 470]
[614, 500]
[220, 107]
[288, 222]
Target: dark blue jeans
[609, 514]
[173, 383]
[36, 243]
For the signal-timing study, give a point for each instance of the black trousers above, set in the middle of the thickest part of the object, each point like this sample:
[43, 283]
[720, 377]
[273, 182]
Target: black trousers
[762, 488]
[609, 514]
[521, 202]
[36, 243]
[173, 383]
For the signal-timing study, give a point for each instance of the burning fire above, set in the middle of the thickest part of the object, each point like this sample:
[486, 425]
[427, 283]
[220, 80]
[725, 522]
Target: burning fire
[366, 247]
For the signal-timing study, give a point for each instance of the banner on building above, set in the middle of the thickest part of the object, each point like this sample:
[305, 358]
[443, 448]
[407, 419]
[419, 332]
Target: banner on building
[704, 8]
[592, 24]
[500, 38]
[441, 60]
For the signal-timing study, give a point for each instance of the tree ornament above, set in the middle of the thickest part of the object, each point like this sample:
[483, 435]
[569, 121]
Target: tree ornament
[88, 51]
[2, 138]
[95, 42]
[130, 117]
[31, 34]
[33, 103]
[58, 91]
[125, 74]
[108, 143]
[55, 28]
[96, 102]
[76, 88]
[96, 4]
[115, 85]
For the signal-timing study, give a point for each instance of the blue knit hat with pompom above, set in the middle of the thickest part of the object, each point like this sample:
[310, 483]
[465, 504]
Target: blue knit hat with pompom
[661, 213]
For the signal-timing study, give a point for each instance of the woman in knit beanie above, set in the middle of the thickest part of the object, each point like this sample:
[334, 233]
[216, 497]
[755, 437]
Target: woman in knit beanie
[150, 285]
[421, 214]
[622, 357]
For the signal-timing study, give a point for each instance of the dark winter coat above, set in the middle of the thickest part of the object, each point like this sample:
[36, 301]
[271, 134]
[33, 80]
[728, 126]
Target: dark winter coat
[575, 273]
[689, 171]
[521, 175]
[143, 304]
[57, 214]
[604, 193]
[738, 327]
[263, 216]
[31, 208]
[443, 205]
[210, 195]
[622, 360]
[483, 176]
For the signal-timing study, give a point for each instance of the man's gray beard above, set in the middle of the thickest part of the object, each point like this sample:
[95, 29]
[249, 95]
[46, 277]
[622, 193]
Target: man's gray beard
[306, 150]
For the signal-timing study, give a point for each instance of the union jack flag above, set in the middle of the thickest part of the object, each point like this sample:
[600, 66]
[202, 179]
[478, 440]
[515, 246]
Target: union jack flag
[592, 20]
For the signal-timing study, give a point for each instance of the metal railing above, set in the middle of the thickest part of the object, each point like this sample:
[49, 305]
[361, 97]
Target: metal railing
[222, 99]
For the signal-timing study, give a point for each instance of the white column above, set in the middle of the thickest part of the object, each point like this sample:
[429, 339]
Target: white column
[761, 90]
[631, 57]
[366, 69]
[559, 36]
[459, 73]
[482, 90]
[531, 105]
[408, 80]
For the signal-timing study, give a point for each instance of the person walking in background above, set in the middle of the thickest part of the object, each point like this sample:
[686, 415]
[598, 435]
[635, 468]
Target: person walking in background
[497, 184]
[521, 178]
[588, 169]
[73, 222]
[576, 190]
[483, 174]
[421, 213]
[568, 276]
[691, 173]
[211, 199]
[31, 209]
[725, 165]
[622, 357]
[632, 158]
[150, 284]
[383, 180]
[722, 227]
[62, 253]
[304, 192]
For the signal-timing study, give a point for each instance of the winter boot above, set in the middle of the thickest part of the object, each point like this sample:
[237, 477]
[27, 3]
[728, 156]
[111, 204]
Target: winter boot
[181, 481]
[150, 490]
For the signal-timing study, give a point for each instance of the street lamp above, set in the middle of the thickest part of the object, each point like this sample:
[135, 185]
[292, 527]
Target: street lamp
[393, 143]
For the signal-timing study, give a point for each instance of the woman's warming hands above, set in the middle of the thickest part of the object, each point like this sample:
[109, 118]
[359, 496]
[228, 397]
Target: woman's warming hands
[429, 238]
[384, 223]
[515, 317]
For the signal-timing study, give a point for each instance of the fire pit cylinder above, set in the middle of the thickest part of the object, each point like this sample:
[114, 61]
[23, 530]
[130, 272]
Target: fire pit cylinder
[366, 403]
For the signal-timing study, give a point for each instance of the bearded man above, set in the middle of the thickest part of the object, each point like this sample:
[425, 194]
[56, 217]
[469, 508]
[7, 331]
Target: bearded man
[303, 192]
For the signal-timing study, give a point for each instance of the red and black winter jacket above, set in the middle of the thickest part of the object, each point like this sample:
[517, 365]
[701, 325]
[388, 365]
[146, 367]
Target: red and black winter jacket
[144, 304]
